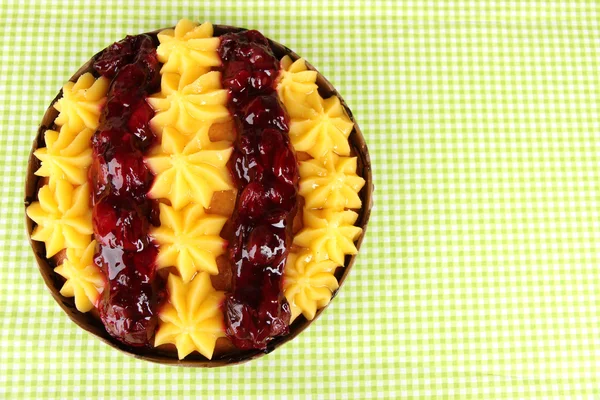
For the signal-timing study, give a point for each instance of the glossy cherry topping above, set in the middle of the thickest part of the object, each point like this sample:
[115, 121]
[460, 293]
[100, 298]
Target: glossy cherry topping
[264, 167]
[122, 214]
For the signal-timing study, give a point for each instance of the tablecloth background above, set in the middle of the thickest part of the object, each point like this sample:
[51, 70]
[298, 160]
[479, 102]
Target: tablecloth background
[479, 276]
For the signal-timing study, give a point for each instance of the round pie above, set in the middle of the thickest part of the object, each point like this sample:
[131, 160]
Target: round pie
[197, 195]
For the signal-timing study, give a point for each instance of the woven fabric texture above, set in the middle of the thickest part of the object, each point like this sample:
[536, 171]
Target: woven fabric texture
[479, 276]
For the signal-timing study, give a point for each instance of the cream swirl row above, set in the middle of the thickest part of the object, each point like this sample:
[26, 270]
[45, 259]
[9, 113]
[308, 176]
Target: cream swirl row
[329, 184]
[63, 213]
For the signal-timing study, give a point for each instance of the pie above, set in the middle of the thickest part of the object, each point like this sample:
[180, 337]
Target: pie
[197, 194]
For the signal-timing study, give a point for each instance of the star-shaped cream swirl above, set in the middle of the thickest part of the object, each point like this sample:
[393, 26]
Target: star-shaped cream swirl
[63, 217]
[189, 50]
[189, 240]
[188, 106]
[85, 280]
[308, 284]
[192, 319]
[186, 172]
[81, 103]
[329, 234]
[330, 182]
[66, 156]
[295, 82]
[320, 126]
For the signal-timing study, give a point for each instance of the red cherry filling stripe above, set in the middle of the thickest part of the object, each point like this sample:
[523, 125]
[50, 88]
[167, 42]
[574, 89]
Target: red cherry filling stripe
[122, 213]
[264, 167]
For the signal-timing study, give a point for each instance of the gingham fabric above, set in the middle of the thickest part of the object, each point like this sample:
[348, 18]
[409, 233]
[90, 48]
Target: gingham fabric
[480, 273]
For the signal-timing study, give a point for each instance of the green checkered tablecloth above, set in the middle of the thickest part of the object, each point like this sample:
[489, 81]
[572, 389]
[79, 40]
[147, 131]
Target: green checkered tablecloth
[480, 274]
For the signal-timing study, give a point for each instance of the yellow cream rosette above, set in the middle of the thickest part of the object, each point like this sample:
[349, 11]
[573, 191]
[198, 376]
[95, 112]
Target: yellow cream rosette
[192, 320]
[308, 284]
[329, 234]
[189, 240]
[63, 217]
[330, 182]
